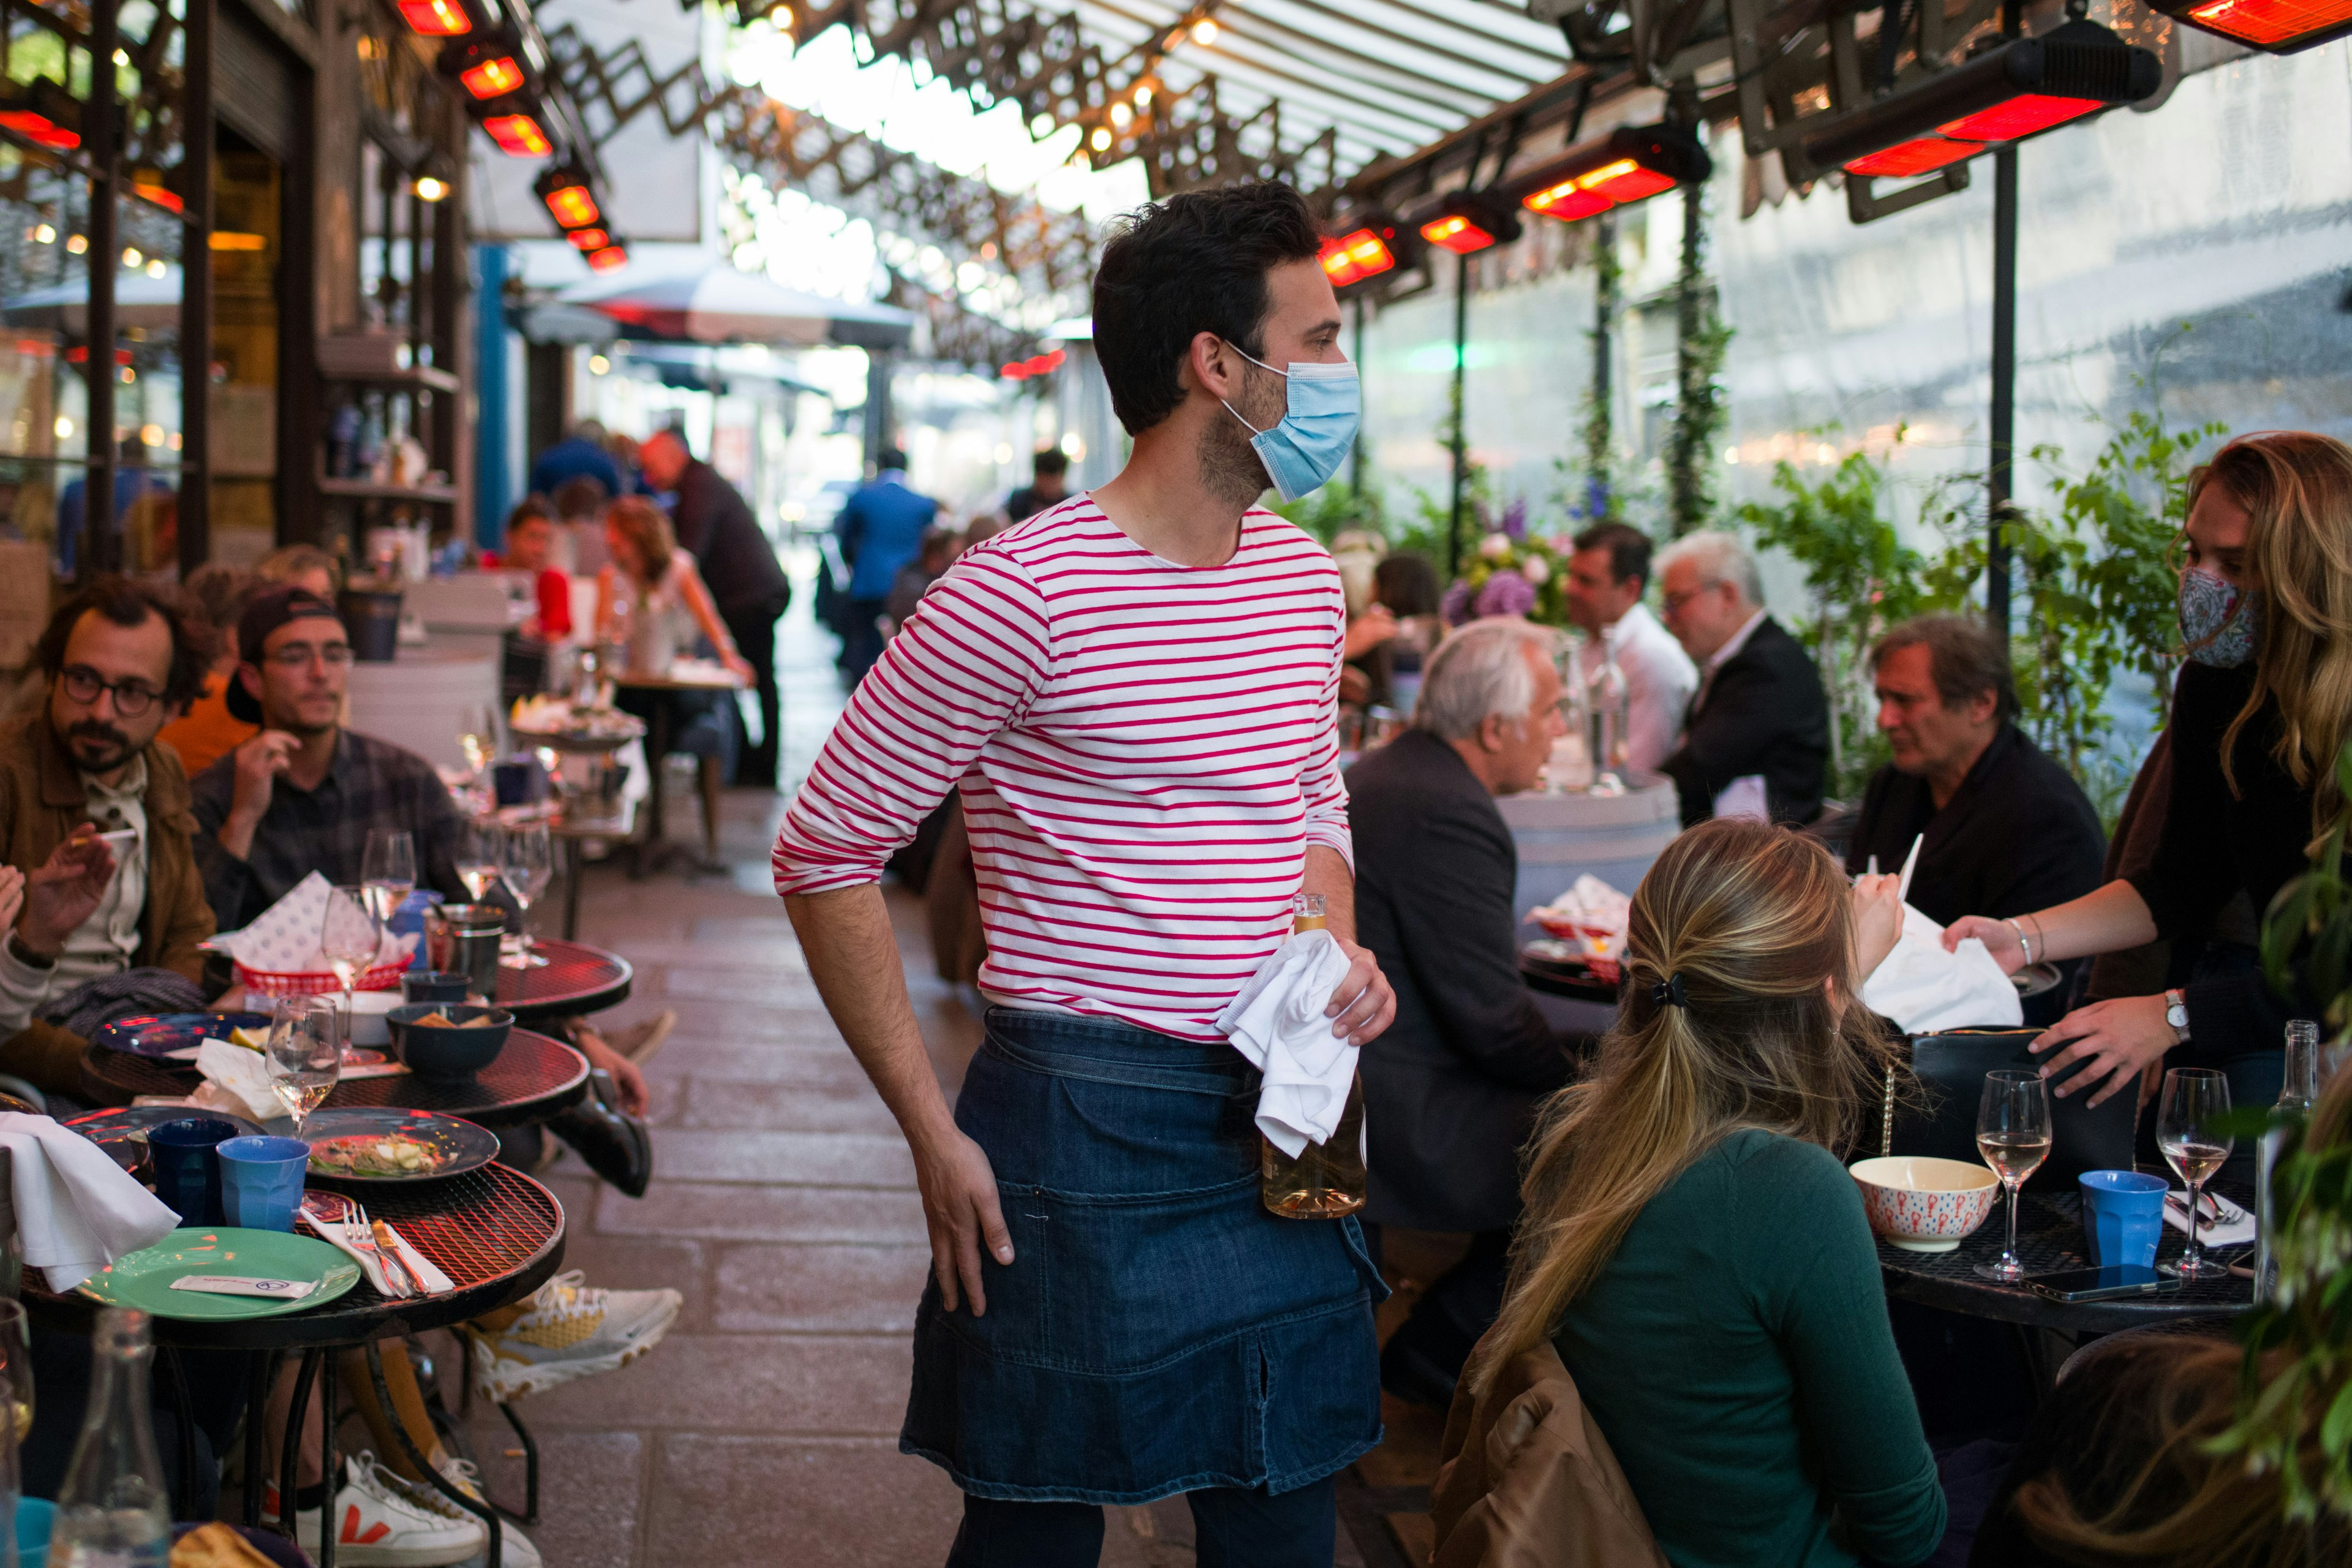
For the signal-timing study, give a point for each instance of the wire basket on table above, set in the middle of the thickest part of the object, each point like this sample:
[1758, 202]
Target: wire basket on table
[316, 982]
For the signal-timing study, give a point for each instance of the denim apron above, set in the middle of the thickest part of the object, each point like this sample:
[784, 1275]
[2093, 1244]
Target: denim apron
[1158, 1330]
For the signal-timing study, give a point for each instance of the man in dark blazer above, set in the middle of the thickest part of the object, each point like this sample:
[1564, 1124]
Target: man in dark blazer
[1450, 1090]
[738, 561]
[2003, 830]
[1758, 734]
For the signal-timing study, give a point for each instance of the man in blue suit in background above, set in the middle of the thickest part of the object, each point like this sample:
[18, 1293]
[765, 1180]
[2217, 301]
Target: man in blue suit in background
[881, 529]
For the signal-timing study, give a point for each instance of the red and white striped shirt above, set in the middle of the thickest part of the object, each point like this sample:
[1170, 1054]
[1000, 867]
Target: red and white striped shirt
[1145, 752]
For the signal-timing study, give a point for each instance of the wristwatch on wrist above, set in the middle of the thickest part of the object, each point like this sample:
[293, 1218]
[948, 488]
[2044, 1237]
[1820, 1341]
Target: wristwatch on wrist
[2175, 1013]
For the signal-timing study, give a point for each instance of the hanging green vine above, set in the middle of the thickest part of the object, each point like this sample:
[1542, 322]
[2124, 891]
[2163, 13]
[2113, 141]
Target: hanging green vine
[1601, 498]
[1700, 339]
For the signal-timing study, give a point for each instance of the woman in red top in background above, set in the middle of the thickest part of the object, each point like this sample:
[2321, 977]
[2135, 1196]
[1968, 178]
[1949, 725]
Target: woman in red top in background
[530, 547]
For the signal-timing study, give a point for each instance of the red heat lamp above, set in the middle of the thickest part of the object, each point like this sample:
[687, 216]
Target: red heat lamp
[1354, 256]
[490, 66]
[2016, 89]
[609, 260]
[518, 132]
[42, 111]
[2274, 26]
[590, 240]
[570, 201]
[492, 78]
[1045, 363]
[1466, 221]
[436, 18]
[1631, 163]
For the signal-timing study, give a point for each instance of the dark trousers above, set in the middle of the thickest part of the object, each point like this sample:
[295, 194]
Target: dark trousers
[861, 644]
[1231, 1529]
[1424, 1357]
[755, 640]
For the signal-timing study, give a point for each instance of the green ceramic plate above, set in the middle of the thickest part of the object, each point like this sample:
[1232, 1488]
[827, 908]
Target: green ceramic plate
[143, 1278]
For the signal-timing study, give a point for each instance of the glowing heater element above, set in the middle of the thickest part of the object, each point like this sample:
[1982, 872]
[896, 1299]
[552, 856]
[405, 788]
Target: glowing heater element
[493, 77]
[2278, 27]
[1924, 157]
[1456, 233]
[1355, 257]
[590, 240]
[572, 206]
[610, 258]
[1630, 164]
[517, 136]
[436, 18]
[2026, 115]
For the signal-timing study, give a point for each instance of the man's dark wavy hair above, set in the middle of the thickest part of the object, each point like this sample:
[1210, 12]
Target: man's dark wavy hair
[127, 602]
[1194, 263]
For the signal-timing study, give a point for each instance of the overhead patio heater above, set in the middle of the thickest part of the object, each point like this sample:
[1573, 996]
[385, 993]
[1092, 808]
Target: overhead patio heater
[487, 65]
[438, 18]
[43, 111]
[1631, 164]
[516, 124]
[1466, 221]
[571, 202]
[1365, 248]
[2017, 89]
[2274, 26]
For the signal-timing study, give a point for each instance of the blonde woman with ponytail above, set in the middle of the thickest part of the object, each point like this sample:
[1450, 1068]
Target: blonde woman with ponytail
[2262, 709]
[1692, 1245]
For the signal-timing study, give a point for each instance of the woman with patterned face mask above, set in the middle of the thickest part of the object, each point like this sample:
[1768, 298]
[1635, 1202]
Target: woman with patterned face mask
[2262, 709]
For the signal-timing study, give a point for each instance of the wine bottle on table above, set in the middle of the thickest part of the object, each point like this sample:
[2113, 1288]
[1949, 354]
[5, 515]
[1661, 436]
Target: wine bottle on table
[112, 1511]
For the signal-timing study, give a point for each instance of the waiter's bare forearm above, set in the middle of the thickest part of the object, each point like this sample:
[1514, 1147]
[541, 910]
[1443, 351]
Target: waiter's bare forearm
[1327, 874]
[853, 954]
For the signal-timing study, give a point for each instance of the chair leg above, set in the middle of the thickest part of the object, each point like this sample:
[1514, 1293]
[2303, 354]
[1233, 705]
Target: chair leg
[708, 767]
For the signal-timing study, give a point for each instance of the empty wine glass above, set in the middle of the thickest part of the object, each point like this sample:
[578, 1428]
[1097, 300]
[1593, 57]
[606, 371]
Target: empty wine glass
[349, 935]
[2013, 1136]
[306, 1053]
[529, 862]
[2193, 1099]
[481, 856]
[478, 737]
[389, 871]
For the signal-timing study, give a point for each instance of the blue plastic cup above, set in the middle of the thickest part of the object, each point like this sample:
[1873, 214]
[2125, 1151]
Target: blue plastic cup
[185, 1157]
[34, 1517]
[2123, 1216]
[261, 1181]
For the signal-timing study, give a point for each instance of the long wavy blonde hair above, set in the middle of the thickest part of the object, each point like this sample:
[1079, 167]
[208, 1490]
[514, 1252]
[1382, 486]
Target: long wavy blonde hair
[1758, 924]
[2297, 488]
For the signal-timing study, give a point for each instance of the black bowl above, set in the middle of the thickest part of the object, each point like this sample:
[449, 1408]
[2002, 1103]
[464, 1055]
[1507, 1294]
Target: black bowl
[452, 1054]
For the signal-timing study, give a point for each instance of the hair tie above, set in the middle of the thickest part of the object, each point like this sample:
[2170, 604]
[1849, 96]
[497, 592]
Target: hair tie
[1669, 992]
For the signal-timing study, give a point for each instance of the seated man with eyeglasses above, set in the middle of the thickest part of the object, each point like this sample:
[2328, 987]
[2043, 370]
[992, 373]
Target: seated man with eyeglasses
[101, 894]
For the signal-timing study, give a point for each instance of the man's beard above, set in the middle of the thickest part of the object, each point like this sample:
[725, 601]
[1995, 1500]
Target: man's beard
[118, 748]
[1231, 469]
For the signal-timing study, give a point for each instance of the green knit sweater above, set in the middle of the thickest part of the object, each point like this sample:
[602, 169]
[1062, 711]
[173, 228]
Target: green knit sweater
[1737, 1353]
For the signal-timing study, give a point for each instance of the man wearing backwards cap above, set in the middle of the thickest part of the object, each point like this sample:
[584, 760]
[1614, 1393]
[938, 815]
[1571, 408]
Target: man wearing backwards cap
[303, 794]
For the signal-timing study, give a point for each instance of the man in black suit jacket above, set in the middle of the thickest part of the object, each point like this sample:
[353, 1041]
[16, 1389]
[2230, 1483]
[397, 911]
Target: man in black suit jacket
[738, 562]
[1760, 728]
[1450, 1089]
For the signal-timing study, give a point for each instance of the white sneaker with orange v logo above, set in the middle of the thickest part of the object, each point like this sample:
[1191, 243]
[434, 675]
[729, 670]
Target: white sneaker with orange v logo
[379, 1525]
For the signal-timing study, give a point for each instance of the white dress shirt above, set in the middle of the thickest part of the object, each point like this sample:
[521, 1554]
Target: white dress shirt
[1659, 682]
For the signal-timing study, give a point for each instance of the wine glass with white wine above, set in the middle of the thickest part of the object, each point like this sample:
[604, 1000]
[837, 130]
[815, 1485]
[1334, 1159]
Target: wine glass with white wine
[2193, 1099]
[478, 737]
[388, 870]
[530, 864]
[306, 1053]
[481, 855]
[2013, 1136]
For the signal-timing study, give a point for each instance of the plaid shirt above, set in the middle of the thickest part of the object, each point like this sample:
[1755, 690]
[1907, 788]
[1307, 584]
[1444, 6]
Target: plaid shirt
[371, 784]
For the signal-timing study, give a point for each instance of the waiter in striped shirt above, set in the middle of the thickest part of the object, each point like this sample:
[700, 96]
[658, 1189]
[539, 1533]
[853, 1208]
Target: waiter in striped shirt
[1135, 694]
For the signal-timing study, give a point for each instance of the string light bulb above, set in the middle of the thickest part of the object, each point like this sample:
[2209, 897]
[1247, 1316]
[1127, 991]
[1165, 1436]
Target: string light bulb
[1205, 32]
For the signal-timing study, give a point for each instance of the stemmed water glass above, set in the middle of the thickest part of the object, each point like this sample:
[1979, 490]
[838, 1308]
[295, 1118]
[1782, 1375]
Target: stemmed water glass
[350, 934]
[2193, 1099]
[481, 856]
[478, 737]
[2013, 1136]
[306, 1053]
[529, 862]
[389, 871]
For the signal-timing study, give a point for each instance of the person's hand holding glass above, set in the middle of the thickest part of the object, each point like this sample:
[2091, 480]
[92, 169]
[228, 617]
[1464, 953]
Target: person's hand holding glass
[389, 871]
[349, 935]
[2193, 1099]
[306, 1053]
[530, 863]
[2013, 1136]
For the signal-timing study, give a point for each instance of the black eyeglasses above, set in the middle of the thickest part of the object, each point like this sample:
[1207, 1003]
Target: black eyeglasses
[131, 698]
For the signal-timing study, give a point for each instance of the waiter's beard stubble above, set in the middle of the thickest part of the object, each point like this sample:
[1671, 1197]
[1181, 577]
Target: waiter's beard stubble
[1230, 468]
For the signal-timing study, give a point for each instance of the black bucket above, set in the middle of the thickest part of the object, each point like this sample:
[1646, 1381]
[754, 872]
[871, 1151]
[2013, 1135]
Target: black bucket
[372, 620]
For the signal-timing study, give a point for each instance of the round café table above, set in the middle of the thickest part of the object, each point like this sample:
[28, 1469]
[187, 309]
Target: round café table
[2050, 1237]
[576, 978]
[532, 1077]
[495, 1232]
[1567, 978]
[655, 849]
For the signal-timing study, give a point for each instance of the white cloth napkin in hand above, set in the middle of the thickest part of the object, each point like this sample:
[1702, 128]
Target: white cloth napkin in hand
[77, 1210]
[237, 1080]
[1278, 1022]
[2231, 1227]
[1925, 989]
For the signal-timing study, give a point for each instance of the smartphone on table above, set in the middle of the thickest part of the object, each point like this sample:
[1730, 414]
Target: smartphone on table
[2106, 1284]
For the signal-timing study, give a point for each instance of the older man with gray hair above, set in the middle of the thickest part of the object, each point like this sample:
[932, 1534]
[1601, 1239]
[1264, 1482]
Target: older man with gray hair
[1759, 733]
[1451, 1089]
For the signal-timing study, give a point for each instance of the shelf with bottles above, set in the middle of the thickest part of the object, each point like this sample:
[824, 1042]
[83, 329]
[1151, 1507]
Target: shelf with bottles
[376, 449]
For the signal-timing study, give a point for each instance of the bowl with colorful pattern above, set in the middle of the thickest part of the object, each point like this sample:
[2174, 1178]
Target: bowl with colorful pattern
[1924, 1205]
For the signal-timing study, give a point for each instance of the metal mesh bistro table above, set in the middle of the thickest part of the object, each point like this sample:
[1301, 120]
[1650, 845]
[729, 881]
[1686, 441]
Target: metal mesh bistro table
[2049, 1238]
[496, 1233]
[532, 1077]
[576, 978]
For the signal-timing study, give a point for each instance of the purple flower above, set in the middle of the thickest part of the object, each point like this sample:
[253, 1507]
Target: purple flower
[1454, 606]
[1514, 518]
[1505, 593]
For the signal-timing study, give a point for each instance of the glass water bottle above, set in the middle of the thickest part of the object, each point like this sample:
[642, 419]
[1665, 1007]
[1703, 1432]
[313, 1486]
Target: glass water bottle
[1322, 1181]
[1609, 706]
[112, 1511]
[2297, 1095]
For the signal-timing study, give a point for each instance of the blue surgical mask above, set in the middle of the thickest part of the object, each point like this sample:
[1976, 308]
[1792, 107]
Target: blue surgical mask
[2220, 623]
[1306, 447]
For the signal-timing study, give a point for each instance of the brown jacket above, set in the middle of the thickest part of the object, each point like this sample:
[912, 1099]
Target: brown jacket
[41, 802]
[1528, 1482]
